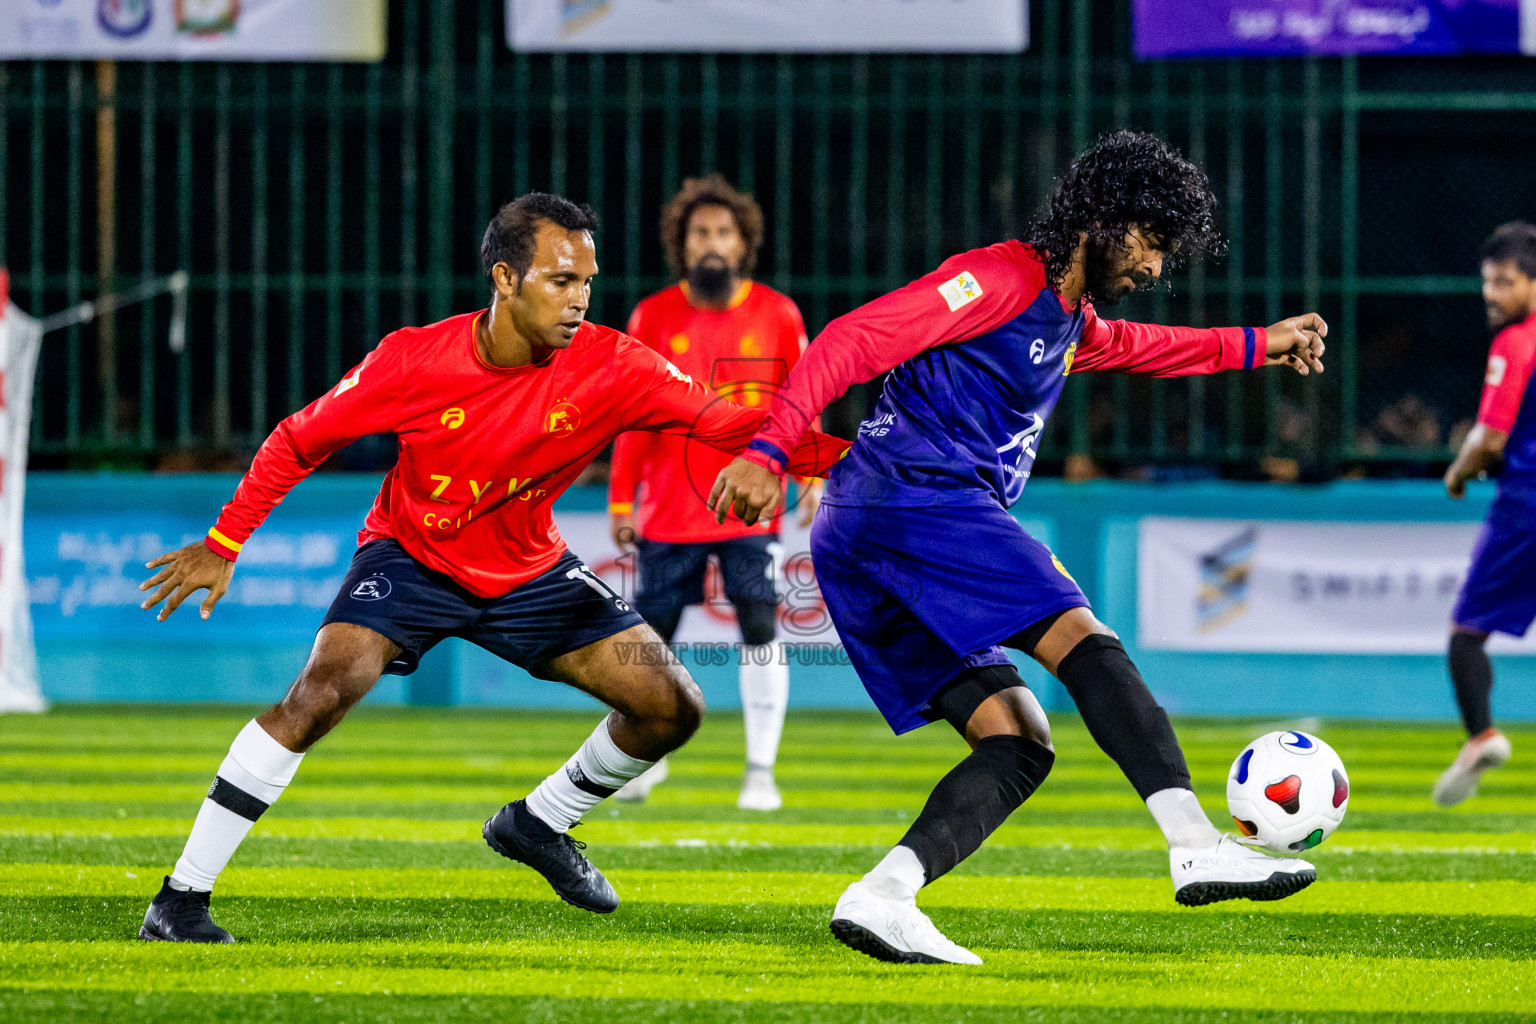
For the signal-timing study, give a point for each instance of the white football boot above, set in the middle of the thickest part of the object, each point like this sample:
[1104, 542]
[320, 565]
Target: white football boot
[758, 791]
[1233, 870]
[1488, 749]
[891, 928]
[638, 788]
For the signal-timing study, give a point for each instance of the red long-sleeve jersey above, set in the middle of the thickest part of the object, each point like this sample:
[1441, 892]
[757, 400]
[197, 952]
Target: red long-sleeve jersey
[486, 450]
[744, 353]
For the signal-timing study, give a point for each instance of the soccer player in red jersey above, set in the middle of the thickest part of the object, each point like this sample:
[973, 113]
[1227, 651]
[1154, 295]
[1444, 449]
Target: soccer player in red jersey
[497, 412]
[928, 577]
[1497, 595]
[741, 339]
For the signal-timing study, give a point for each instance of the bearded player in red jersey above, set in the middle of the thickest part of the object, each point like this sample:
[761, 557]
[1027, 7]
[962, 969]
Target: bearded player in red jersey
[741, 339]
[497, 412]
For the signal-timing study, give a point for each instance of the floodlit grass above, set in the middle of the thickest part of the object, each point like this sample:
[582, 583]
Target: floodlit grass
[366, 894]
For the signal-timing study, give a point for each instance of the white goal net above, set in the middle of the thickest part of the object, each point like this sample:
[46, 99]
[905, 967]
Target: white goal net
[20, 336]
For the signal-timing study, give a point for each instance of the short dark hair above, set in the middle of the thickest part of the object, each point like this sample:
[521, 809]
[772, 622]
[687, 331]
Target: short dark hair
[1515, 243]
[1127, 179]
[711, 190]
[510, 237]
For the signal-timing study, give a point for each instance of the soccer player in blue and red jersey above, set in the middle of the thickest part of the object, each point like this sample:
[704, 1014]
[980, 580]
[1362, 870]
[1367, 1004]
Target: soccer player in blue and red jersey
[926, 574]
[497, 412]
[1497, 595]
[740, 338]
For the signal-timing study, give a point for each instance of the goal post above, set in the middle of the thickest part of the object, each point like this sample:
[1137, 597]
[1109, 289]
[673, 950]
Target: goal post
[20, 337]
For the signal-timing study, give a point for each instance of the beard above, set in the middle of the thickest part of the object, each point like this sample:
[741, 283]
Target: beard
[1499, 317]
[1105, 268]
[712, 280]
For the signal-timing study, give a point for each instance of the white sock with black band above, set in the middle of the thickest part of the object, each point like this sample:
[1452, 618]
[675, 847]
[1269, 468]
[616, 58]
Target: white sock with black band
[1182, 819]
[593, 774]
[253, 775]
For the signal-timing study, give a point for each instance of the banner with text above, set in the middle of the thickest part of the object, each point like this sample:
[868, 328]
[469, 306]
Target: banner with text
[85, 571]
[1301, 587]
[330, 30]
[758, 26]
[1253, 28]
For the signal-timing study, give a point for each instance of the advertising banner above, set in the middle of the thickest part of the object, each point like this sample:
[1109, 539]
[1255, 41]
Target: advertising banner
[827, 26]
[20, 338]
[330, 30]
[1253, 28]
[1301, 587]
[85, 570]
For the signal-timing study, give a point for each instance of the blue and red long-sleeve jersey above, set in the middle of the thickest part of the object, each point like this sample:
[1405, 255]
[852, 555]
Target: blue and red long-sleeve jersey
[978, 353]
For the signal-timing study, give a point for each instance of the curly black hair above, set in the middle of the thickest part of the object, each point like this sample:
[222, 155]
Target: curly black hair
[510, 237]
[1127, 179]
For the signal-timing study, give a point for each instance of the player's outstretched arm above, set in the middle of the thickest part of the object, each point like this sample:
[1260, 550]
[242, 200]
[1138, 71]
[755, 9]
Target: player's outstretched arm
[184, 572]
[1296, 342]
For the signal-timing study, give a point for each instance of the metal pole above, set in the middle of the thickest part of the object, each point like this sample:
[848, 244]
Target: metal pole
[106, 242]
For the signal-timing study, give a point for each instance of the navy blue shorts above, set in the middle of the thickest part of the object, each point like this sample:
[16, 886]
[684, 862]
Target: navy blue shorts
[919, 595]
[672, 575]
[563, 609]
[1499, 594]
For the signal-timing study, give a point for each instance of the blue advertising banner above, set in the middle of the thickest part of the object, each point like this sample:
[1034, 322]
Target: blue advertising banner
[1254, 28]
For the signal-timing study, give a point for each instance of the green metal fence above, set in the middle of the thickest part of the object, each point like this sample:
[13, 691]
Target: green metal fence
[317, 207]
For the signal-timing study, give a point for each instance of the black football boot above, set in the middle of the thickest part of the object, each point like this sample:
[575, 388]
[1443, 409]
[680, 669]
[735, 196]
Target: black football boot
[177, 915]
[517, 834]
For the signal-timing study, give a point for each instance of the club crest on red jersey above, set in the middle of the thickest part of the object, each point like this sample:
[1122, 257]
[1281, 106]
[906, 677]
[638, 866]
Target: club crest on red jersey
[562, 419]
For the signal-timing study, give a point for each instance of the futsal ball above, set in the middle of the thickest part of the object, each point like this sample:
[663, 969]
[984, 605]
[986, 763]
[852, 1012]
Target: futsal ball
[1288, 790]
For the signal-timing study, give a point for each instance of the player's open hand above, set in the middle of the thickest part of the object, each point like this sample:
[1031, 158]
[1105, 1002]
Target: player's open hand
[183, 573]
[749, 490]
[1297, 343]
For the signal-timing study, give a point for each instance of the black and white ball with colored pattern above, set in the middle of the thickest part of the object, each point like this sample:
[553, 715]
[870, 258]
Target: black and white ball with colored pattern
[1289, 790]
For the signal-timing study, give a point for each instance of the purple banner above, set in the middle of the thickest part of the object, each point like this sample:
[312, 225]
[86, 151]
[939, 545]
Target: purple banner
[1258, 28]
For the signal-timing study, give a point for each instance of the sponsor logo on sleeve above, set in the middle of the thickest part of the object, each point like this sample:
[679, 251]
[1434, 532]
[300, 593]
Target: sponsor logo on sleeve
[960, 290]
[679, 374]
[349, 383]
[1496, 367]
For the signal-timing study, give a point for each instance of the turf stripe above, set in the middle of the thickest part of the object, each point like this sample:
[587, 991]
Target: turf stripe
[766, 973]
[661, 833]
[1446, 899]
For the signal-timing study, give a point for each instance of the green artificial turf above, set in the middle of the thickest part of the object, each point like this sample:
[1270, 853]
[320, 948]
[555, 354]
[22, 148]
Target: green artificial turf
[366, 893]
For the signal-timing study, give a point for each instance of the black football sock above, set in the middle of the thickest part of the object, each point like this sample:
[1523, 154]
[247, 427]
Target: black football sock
[1472, 675]
[1122, 716]
[975, 798]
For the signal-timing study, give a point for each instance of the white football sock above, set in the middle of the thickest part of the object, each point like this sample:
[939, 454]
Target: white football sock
[253, 775]
[1182, 819]
[898, 876]
[764, 698]
[594, 773]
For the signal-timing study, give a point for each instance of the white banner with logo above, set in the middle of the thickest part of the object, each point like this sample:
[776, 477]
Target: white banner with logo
[19, 341]
[1302, 587]
[331, 30]
[758, 26]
